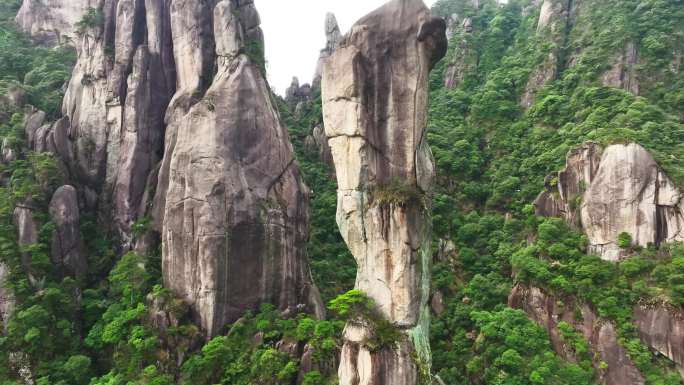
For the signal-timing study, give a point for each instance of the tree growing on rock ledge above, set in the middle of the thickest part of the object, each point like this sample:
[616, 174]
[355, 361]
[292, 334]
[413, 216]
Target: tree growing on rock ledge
[375, 91]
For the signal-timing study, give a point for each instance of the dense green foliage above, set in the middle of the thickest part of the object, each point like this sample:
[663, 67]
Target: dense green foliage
[493, 154]
[120, 326]
[39, 71]
[558, 261]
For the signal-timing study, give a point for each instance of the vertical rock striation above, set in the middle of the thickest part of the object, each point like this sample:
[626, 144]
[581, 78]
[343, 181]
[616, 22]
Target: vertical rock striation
[617, 190]
[111, 134]
[563, 192]
[168, 115]
[67, 247]
[236, 209]
[548, 311]
[375, 109]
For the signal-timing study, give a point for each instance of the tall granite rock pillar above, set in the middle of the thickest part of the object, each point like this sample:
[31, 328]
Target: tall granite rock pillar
[375, 93]
[236, 209]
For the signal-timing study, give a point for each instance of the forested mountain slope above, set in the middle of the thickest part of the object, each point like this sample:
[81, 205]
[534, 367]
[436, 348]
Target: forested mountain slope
[557, 129]
[526, 83]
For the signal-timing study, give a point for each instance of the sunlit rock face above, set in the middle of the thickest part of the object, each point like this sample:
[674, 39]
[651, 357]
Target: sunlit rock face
[168, 115]
[374, 94]
[617, 190]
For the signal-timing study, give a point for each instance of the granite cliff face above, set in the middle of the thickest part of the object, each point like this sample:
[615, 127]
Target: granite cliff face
[662, 329]
[168, 116]
[53, 22]
[374, 94]
[236, 206]
[623, 192]
[548, 312]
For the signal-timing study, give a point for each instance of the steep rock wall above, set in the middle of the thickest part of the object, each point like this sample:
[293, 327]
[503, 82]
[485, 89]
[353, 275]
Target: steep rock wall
[548, 312]
[168, 115]
[234, 192]
[53, 22]
[375, 109]
[662, 329]
[625, 192]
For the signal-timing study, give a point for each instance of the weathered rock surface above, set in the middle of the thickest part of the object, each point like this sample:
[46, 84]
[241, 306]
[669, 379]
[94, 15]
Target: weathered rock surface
[374, 105]
[53, 22]
[296, 96]
[463, 59]
[625, 192]
[110, 137]
[662, 329]
[67, 247]
[623, 72]
[548, 312]
[27, 230]
[564, 190]
[631, 194]
[6, 298]
[236, 210]
[332, 41]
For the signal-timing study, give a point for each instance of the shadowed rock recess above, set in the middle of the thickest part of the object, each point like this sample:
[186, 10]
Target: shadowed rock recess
[375, 91]
[168, 115]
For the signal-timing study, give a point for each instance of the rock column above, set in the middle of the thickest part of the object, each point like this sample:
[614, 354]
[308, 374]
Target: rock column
[236, 209]
[375, 92]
